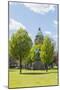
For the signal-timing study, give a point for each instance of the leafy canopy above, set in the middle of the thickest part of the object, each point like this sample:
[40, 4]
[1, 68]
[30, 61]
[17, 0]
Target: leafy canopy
[47, 50]
[20, 44]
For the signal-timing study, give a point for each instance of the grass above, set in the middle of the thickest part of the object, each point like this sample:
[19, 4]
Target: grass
[30, 78]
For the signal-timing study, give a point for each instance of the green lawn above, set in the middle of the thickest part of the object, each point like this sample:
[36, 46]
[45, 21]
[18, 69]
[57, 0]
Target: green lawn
[35, 78]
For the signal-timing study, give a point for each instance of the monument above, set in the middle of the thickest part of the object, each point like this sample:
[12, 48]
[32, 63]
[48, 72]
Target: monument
[37, 64]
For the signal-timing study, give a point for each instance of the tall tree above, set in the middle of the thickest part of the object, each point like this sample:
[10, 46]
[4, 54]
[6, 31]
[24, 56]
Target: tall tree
[20, 45]
[47, 51]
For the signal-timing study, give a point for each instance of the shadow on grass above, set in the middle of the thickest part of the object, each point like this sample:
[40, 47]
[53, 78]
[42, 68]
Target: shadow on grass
[38, 73]
[53, 68]
[34, 73]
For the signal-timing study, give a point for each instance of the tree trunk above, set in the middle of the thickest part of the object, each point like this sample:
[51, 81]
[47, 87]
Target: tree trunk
[20, 64]
[46, 67]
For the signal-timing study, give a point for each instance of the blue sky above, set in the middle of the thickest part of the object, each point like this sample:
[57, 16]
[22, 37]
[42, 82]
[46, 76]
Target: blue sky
[31, 17]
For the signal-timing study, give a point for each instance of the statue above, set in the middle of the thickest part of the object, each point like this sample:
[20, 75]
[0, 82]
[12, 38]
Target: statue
[37, 54]
[37, 64]
[39, 29]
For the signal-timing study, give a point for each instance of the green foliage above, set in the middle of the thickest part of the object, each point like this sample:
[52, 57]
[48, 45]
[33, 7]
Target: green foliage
[20, 47]
[32, 54]
[47, 50]
[20, 44]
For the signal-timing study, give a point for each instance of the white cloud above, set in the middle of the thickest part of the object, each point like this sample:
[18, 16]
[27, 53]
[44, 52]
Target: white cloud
[37, 8]
[55, 38]
[31, 36]
[40, 8]
[55, 22]
[48, 33]
[14, 25]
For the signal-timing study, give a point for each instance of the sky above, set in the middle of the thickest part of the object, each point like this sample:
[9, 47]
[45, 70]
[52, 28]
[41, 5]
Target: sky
[31, 16]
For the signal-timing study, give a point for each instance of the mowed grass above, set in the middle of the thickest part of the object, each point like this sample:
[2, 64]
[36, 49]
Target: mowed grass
[31, 78]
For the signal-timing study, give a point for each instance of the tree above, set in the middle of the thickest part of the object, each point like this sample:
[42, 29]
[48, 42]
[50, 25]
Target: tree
[39, 37]
[55, 61]
[47, 51]
[20, 45]
[34, 53]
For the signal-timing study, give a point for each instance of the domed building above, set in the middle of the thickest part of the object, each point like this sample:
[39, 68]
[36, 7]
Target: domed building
[39, 37]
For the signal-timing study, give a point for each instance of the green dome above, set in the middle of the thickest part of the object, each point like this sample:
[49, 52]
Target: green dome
[39, 37]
